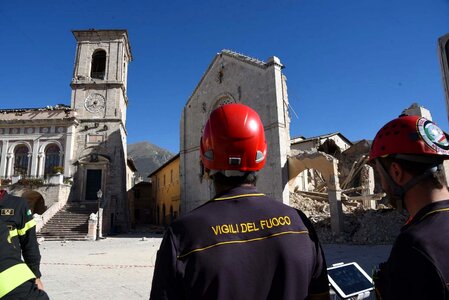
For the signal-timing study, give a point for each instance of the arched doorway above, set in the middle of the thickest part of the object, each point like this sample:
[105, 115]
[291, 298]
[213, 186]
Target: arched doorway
[326, 165]
[36, 202]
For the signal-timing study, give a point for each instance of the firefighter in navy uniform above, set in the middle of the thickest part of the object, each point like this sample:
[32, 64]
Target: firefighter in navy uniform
[241, 244]
[15, 213]
[408, 153]
[17, 281]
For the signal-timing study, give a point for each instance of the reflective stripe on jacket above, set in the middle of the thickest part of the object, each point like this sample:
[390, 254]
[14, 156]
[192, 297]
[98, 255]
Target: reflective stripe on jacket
[13, 277]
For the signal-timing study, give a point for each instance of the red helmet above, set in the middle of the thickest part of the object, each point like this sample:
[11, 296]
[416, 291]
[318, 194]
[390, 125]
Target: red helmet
[411, 137]
[233, 139]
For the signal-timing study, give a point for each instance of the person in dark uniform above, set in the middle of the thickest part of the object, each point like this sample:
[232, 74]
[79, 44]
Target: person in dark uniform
[408, 153]
[15, 213]
[241, 244]
[17, 281]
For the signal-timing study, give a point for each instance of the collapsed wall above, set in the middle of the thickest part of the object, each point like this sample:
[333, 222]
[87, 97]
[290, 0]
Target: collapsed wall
[361, 225]
[358, 215]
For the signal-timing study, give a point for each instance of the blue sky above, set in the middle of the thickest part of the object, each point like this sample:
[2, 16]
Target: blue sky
[351, 65]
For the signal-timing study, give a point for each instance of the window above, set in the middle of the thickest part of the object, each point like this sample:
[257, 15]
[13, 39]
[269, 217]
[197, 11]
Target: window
[51, 158]
[98, 64]
[164, 180]
[222, 101]
[171, 176]
[21, 160]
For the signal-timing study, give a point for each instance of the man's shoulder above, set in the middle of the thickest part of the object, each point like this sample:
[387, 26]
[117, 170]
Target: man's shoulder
[418, 236]
[194, 214]
[278, 204]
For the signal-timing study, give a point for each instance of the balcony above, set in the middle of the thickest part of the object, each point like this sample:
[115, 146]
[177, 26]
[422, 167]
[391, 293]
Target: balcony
[35, 181]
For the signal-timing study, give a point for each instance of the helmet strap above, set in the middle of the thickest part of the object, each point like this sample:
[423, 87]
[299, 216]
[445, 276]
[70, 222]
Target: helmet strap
[412, 182]
[399, 191]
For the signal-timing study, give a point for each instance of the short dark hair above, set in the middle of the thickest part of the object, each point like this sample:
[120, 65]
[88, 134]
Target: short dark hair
[437, 180]
[247, 178]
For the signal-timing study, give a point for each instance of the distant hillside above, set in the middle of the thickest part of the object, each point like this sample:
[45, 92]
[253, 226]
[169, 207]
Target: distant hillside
[148, 157]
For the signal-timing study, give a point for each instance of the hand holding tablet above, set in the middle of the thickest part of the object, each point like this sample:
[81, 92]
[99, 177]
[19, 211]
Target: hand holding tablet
[349, 280]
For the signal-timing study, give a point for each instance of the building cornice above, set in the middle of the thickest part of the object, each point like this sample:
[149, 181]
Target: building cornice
[34, 122]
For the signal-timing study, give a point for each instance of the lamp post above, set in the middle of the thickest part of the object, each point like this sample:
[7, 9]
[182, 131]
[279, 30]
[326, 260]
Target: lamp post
[99, 195]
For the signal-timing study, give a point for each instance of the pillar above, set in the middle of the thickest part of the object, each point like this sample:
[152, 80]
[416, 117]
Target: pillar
[334, 192]
[68, 151]
[3, 160]
[9, 159]
[34, 160]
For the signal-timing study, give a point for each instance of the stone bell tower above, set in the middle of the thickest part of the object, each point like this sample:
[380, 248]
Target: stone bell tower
[99, 97]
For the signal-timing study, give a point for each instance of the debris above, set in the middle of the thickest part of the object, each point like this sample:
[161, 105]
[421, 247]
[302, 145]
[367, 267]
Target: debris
[361, 226]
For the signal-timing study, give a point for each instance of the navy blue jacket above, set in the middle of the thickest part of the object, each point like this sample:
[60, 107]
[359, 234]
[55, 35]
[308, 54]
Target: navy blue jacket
[15, 213]
[418, 266]
[240, 245]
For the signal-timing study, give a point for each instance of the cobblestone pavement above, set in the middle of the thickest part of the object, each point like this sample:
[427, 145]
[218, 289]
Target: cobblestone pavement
[122, 267]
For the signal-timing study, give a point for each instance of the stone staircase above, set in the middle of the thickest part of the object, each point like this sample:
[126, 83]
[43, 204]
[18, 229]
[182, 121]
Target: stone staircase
[70, 223]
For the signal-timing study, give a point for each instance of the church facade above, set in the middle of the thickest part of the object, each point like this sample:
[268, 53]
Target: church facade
[236, 78]
[85, 141]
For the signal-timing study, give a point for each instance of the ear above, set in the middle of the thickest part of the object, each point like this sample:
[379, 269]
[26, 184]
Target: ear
[397, 173]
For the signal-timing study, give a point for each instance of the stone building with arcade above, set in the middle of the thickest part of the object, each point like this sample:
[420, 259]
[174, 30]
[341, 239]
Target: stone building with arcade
[59, 157]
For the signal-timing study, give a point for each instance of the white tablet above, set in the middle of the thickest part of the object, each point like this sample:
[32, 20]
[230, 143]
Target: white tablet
[349, 280]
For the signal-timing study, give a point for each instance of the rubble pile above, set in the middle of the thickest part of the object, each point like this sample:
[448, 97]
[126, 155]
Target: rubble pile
[361, 226]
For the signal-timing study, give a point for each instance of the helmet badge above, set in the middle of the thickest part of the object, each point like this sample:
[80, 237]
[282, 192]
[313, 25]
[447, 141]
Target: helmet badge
[433, 136]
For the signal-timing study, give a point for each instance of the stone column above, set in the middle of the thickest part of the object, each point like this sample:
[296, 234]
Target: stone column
[34, 159]
[29, 156]
[367, 182]
[61, 155]
[69, 145]
[40, 164]
[9, 164]
[3, 159]
[334, 192]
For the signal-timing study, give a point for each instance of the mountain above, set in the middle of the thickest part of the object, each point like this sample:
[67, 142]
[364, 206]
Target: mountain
[148, 157]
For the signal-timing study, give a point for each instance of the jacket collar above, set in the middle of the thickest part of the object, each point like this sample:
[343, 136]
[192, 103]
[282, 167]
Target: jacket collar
[432, 208]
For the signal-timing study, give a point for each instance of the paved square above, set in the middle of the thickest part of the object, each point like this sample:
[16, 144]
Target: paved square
[122, 267]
